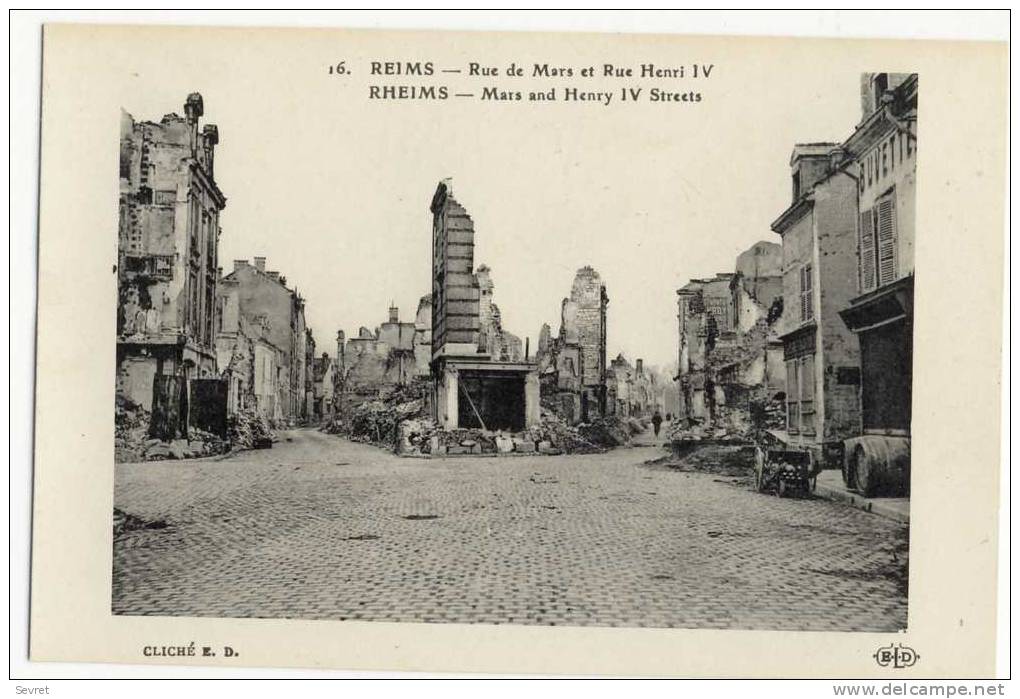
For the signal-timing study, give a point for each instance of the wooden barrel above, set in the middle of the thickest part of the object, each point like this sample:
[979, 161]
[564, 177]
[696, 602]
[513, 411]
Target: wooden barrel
[878, 464]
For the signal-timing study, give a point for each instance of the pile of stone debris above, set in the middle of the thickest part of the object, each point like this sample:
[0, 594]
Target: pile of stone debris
[399, 421]
[124, 522]
[198, 444]
[131, 431]
[132, 442]
[551, 436]
[249, 430]
[375, 421]
[732, 423]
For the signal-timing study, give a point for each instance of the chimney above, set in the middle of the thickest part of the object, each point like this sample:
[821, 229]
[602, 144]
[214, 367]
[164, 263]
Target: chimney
[394, 313]
[238, 264]
[836, 158]
[260, 264]
[210, 137]
[193, 109]
[639, 366]
[340, 350]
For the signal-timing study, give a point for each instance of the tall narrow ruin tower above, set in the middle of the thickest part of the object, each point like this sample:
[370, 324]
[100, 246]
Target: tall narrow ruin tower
[455, 293]
[589, 295]
[471, 388]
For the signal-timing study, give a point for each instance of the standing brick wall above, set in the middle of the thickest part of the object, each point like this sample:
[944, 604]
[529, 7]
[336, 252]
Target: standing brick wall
[588, 293]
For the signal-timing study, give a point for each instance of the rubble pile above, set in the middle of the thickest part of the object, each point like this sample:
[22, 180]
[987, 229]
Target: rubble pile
[636, 426]
[555, 430]
[607, 432]
[133, 444]
[126, 522]
[377, 420]
[552, 436]
[738, 421]
[399, 421]
[248, 430]
[732, 459]
[198, 444]
[131, 431]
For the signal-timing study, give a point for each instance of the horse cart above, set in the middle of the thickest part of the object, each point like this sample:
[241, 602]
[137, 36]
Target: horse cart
[781, 468]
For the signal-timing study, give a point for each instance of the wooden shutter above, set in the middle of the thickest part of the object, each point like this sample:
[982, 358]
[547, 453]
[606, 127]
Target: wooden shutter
[806, 309]
[807, 394]
[792, 396]
[886, 241]
[867, 251]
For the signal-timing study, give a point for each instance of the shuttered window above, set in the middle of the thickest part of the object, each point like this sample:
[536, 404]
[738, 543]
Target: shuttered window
[800, 395]
[806, 305]
[792, 395]
[867, 251]
[807, 394]
[885, 223]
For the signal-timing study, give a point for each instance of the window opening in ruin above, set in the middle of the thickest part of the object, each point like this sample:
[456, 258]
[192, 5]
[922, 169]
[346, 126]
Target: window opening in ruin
[490, 401]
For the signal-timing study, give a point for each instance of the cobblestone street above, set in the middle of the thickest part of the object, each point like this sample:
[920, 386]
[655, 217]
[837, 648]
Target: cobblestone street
[321, 528]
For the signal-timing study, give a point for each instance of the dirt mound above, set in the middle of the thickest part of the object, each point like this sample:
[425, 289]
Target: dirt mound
[607, 432]
[707, 457]
[125, 522]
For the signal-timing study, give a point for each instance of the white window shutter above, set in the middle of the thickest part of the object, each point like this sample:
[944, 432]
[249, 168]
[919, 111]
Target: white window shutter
[887, 241]
[867, 251]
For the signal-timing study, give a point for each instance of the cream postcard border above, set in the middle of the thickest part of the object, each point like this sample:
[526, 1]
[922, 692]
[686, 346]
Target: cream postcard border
[957, 370]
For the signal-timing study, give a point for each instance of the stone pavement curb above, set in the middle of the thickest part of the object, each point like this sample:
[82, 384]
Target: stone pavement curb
[873, 505]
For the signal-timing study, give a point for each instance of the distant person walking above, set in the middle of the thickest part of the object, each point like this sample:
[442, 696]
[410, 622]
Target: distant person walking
[656, 422]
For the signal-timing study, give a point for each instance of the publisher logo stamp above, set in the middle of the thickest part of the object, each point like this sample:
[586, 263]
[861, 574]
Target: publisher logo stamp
[897, 656]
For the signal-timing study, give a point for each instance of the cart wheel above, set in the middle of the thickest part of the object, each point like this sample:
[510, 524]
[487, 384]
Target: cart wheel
[759, 469]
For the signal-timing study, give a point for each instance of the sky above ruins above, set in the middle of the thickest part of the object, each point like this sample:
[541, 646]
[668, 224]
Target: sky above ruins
[334, 188]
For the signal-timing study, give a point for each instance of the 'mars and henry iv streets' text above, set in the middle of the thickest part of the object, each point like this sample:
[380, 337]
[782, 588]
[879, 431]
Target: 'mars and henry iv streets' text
[604, 84]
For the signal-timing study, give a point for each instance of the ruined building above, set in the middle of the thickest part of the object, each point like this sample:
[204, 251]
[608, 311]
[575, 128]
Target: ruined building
[631, 391]
[247, 359]
[379, 360]
[167, 265]
[471, 387]
[325, 379]
[500, 344]
[264, 300]
[729, 353]
[573, 364]
[423, 336]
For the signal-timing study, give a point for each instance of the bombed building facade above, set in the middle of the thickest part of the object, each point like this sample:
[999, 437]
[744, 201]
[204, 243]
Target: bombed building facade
[631, 391]
[382, 359]
[730, 362]
[498, 343]
[572, 365]
[277, 313]
[471, 388]
[167, 272]
[247, 359]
